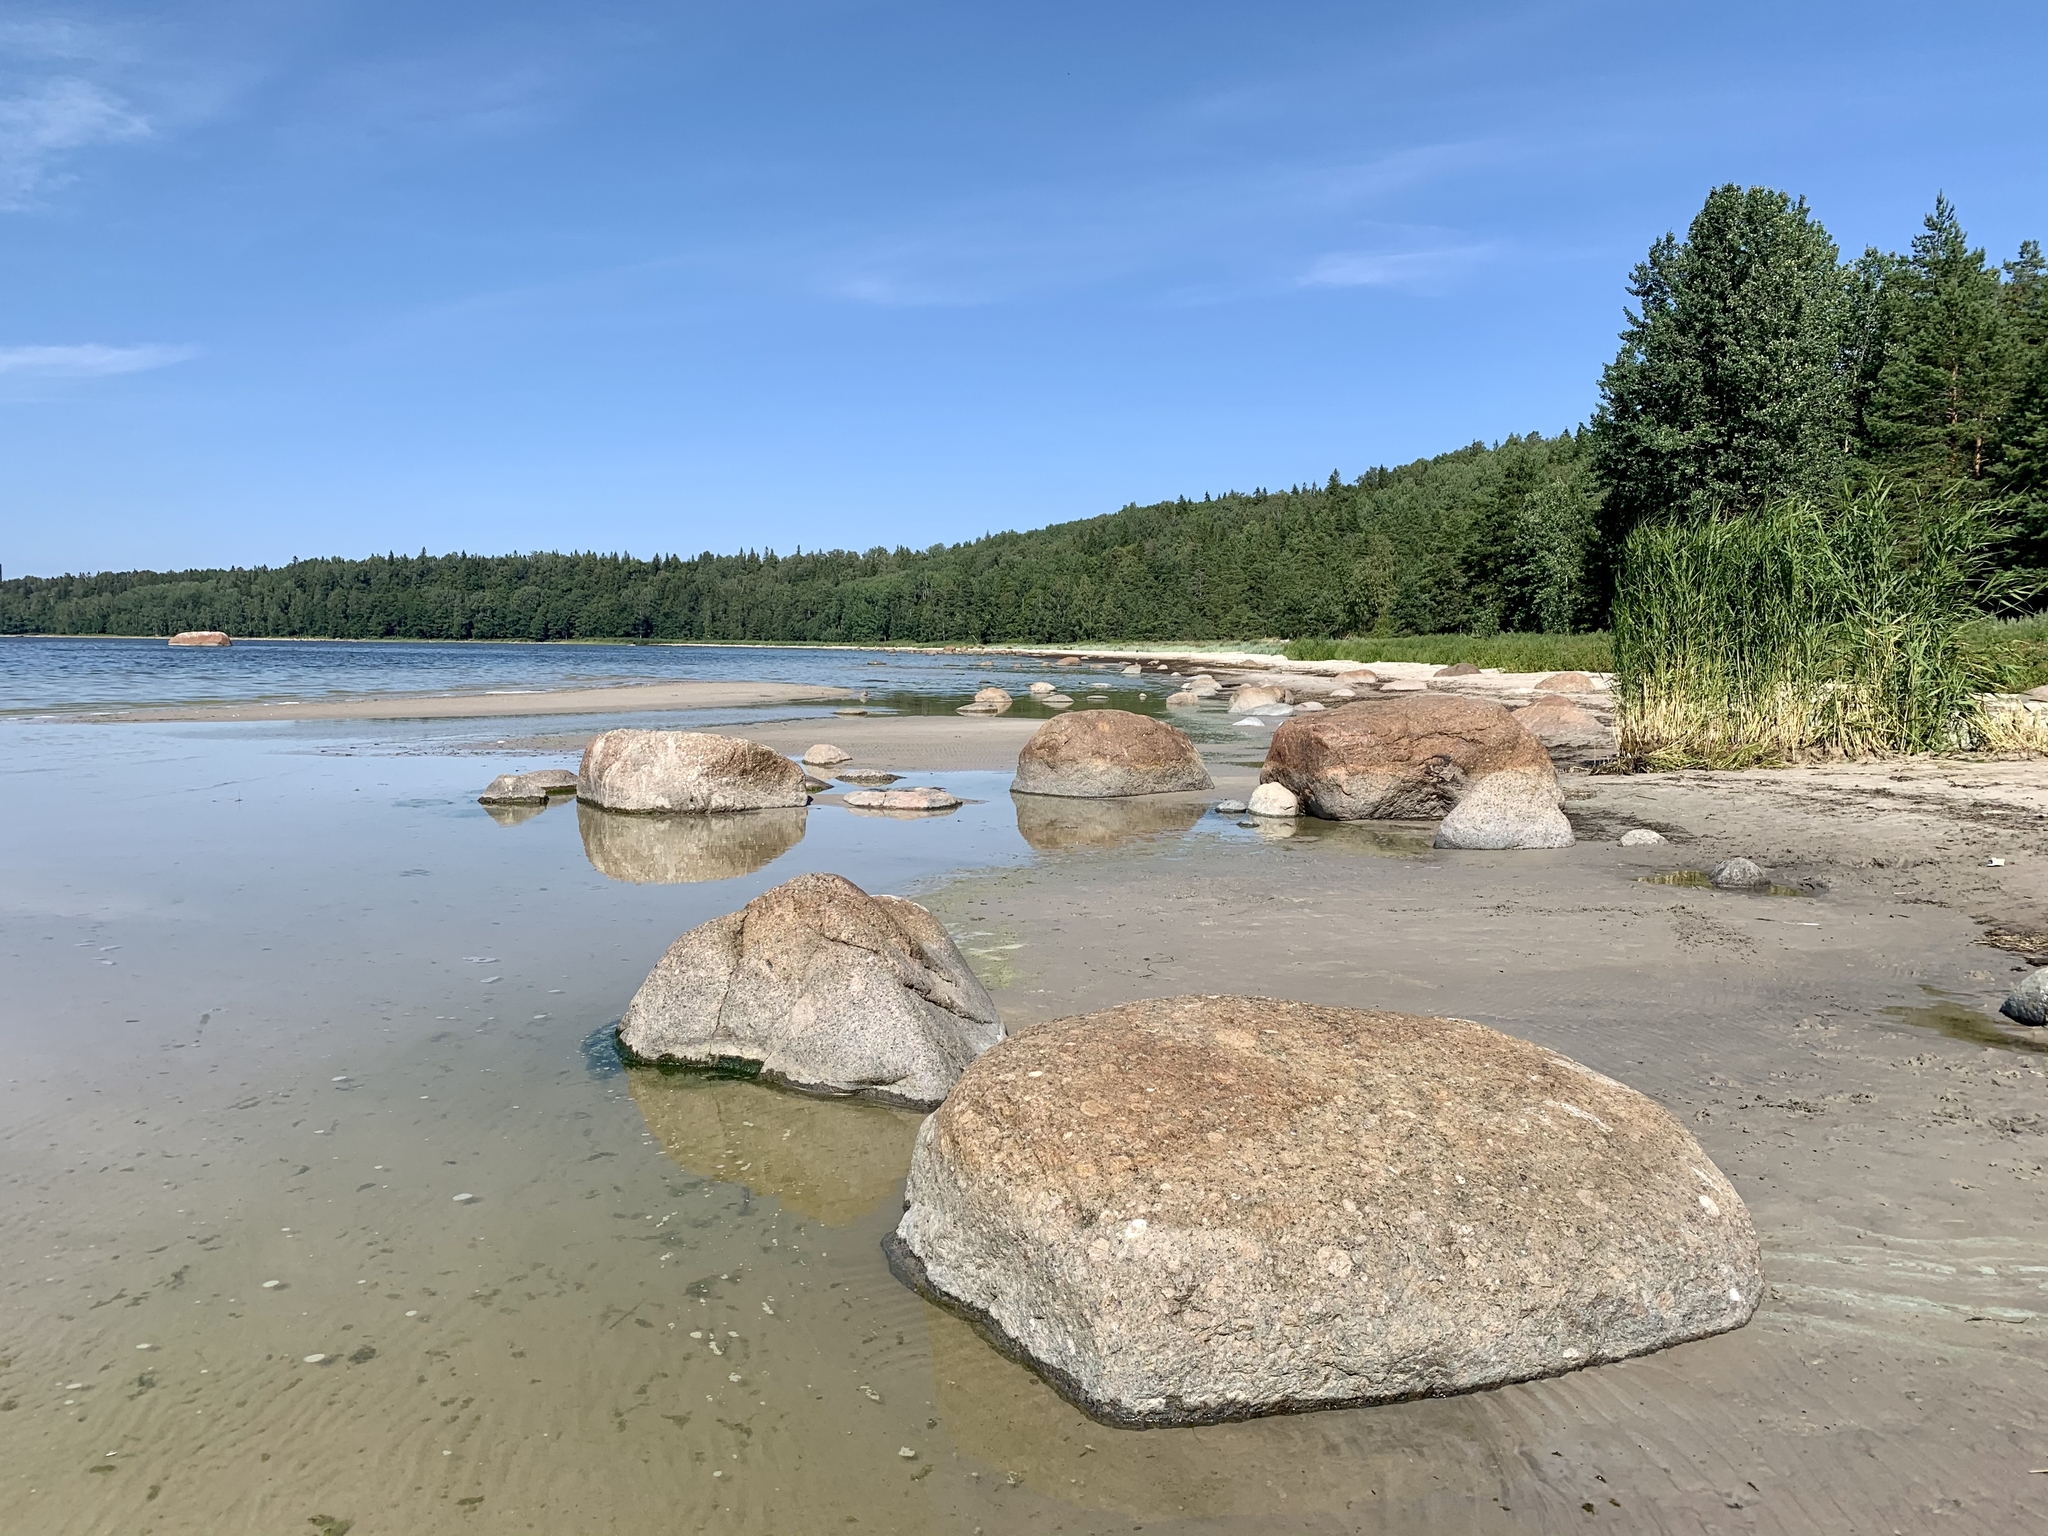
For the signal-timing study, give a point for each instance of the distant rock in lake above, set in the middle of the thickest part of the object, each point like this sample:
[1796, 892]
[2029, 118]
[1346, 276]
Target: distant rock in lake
[208, 639]
[1208, 1208]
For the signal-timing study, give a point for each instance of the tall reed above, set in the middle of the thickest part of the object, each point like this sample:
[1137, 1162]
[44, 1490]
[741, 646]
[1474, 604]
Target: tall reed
[1805, 631]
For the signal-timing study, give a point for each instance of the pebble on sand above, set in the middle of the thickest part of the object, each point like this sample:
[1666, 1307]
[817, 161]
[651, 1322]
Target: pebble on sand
[271, 1285]
[464, 1199]
[316, 1359]
[1640, 837]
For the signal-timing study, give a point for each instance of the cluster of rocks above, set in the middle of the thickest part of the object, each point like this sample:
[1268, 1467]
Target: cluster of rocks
[1424, 756]
[1206, 1208]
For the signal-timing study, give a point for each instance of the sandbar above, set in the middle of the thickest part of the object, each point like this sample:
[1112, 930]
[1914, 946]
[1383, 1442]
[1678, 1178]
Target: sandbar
[626, 699]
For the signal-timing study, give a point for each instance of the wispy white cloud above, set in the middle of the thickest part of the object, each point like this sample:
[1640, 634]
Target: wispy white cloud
[1428, 271]
[88, 361]
[50, 120]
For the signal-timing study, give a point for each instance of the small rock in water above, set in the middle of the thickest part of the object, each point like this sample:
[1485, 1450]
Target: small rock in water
[824, 755]
[1274, 800]
[1640, 837]
[1133, 671]
[1230, 807]
[1182, 699]
[992, 695]
[2028, 1003]
[1738, 875]
[923, 799]
[815, 786]
[1042, 689]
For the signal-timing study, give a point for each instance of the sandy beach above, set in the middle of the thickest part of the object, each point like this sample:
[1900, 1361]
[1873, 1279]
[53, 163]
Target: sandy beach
[260, 1106]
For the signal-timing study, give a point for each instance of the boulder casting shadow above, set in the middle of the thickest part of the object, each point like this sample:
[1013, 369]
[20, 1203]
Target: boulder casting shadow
[1050, 823]
[831, 1160]
[685, 849]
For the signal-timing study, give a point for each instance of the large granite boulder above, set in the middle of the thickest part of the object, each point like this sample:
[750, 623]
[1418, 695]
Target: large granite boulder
[1105, 752]
[1422, 755]
[1559, 723]
[1207, 1208]
[692, 771]
[820, 986]
[531, 788]
[683, 849]
[203, 639]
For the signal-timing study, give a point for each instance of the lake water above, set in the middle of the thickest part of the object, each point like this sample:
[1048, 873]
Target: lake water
[277, 995]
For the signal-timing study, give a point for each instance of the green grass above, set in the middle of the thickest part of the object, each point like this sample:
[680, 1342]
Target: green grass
[1592, 652]
[1800, 631]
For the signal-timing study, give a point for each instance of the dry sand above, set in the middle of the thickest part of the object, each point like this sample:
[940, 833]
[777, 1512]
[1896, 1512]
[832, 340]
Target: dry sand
[481, 706]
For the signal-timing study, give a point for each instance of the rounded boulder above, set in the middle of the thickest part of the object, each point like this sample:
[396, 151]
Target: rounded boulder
[819, 986]
[528, 788]
[1199, 1209]
[1108, 752]
[1422, 755]
[661, 771]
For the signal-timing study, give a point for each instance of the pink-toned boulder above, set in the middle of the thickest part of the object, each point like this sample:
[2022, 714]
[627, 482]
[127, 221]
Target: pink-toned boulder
[207, 638]
[654, 771]
[1422, 755]
[1565, 682]
[1107, 752]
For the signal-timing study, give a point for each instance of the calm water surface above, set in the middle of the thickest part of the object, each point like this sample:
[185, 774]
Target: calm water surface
[278, 995]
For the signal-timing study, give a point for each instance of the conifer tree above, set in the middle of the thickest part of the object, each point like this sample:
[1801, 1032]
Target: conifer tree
[1951, 363]
[1731, 388]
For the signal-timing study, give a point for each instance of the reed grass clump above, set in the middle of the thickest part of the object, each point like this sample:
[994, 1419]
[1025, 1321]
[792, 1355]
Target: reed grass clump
[1803, 631]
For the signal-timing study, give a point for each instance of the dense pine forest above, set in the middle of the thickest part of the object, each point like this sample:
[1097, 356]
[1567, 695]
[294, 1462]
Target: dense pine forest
[1755, 365]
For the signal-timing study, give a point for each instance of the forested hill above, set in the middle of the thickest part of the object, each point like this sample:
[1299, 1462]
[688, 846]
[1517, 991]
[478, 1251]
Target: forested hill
[1483, 538]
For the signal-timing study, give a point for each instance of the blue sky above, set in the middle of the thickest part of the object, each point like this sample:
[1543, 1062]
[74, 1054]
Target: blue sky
[310, 277]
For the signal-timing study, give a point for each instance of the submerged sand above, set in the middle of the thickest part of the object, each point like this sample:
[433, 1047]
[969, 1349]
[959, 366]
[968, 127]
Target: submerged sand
[542, 1358]
[626, 699]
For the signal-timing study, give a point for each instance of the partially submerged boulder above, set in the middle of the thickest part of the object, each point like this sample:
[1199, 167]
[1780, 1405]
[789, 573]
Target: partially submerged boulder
[204, 639]
[2027, 1003]
[992, 695]
[657, 771]
[1739, 874]
[1039, 690]
[926, 798]
[818, 985]
[1183, 699]
[1424, 755]
[1106, 752]
[1203, 685]
[824, 755]
[531, 788]
[1208, 1208]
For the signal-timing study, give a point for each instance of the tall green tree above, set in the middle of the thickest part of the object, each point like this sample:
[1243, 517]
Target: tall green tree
[2021, 474]
[1952, 362]
[1732, 385]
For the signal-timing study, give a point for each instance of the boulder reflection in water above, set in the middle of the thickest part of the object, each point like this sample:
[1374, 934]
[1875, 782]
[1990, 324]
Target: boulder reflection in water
[830, 1160]
[684, 849]
[1049, 822]
[512, 815]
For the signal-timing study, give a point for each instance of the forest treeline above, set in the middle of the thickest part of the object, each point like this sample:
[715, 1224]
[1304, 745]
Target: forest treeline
[1756, 364]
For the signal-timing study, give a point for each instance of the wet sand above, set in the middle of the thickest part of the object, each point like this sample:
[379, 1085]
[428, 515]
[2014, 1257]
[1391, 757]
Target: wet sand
[505, 703]
[209, 1087]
